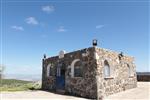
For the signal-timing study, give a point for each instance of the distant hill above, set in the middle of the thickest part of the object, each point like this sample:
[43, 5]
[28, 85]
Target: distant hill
[34, 77]
[13, 81]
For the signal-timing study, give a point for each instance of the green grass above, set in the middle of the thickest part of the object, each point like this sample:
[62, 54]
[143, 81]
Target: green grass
[18, 85]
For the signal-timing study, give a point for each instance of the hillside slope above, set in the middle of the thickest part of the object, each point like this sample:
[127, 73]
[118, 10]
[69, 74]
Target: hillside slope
[17, 85]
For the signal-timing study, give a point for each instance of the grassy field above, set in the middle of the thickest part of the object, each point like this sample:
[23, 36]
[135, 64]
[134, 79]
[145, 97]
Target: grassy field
[18, 85]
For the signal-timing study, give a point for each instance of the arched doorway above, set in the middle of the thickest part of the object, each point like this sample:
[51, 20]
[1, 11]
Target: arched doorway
[60, 76]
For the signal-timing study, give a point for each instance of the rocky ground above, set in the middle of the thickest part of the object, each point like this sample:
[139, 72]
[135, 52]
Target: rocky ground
[142, 92]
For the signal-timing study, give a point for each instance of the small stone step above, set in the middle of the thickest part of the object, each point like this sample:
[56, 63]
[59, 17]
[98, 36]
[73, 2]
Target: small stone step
[59, 91]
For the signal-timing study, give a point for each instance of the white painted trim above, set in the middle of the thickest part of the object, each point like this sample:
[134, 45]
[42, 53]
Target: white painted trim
[48, 69]
[107, 71]
[72, 66]
[109, 68]
[58, 71]
[96, 56]
[130, 70]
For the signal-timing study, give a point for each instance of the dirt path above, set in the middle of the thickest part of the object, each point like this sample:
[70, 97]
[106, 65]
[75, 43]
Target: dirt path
[34, 95]
[142, 92]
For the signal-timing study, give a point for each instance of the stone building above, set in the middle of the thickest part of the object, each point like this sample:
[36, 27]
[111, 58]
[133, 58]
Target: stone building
[91, 72]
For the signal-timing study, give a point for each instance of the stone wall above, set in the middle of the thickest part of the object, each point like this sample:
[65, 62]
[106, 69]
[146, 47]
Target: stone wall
[143, 76]
[92, 84]
[84, 86]
[48, 82]
[119, 79]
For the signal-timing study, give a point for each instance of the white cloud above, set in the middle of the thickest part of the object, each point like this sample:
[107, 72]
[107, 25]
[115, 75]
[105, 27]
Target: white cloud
[48, 9]
[32, 21]
[19, 28]
[99, 26]
[61, 29]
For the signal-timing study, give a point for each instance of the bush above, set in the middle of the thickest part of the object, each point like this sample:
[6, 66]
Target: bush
[35, 86]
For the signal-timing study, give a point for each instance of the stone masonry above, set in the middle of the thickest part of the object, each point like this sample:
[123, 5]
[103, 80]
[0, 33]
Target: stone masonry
[89, 65]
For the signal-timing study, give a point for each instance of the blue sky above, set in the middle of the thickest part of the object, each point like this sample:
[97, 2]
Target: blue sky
[31, 28]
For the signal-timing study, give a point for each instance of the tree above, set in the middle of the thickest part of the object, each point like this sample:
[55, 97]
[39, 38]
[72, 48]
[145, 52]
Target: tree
[1, 70]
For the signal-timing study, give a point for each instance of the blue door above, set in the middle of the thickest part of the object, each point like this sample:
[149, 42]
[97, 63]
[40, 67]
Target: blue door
[60, 78]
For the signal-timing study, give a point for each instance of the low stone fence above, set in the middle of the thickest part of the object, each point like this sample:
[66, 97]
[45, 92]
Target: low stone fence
[143, 76]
